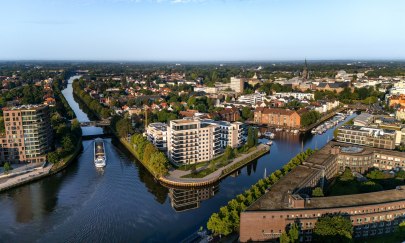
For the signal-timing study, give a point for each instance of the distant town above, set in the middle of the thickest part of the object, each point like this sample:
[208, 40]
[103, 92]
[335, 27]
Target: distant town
[192, 125]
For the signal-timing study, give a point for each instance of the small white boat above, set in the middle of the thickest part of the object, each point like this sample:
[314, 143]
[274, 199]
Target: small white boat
[269, 135]
[296, 131]
[99, 153]
[279, 129]
[269, 143]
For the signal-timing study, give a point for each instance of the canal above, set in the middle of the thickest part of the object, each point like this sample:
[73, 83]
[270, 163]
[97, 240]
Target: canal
[123, 203]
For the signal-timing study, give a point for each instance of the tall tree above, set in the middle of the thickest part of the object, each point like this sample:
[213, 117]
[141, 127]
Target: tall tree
[333, 228]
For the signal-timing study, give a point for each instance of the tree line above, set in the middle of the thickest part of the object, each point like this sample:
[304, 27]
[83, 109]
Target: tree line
[227, 220]
[155, 160]
[94, 105]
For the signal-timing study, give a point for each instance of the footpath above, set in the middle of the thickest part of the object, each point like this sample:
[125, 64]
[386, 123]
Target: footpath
[175, 177]
[23, 175]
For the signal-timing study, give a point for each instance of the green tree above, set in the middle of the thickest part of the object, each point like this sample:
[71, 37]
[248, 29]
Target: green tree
[400, 231]
[67, 144]
[333, 228]
[294, 233]
[309, 118]
[250, 138]
[53, 157]
[376, 175]
[124, 127]
[317, 192]
[246, 113]
[7, 167]
[347, 175]
[284, 238]
[370, 186]
[228, 153]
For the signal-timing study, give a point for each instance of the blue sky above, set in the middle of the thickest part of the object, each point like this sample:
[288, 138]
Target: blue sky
[201, 30]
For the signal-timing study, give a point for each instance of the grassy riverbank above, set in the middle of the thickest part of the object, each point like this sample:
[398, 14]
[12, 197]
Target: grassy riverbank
[221, 162]
[66, 160]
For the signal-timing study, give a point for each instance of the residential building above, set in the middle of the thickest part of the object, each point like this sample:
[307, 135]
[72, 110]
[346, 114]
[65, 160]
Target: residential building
[400, 113]
[157, 134]
[231, 134]
[367, 136]
[192, 141]
[397, 100]
[278, 117]
[295, 95]
[252, 99]
[325, 106]
[231, 114]
[28, 134]
[237, 84]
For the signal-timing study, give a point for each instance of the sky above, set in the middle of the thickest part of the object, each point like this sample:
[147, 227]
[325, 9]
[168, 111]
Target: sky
[201, 30]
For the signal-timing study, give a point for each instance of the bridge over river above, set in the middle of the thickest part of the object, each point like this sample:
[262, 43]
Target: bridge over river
[102, 123]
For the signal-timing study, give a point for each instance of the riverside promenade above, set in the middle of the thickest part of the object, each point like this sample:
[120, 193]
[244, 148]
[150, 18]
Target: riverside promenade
[23, 175]
[175, 177]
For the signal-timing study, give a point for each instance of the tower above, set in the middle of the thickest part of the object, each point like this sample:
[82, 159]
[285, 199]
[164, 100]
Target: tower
[305, 73]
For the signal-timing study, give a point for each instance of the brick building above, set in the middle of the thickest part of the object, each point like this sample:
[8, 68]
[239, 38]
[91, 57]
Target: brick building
[229, 114]
[288, 200]
[278, 117]
[28, 134]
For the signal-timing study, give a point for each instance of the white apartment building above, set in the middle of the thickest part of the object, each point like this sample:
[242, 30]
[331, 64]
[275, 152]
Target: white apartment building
[295, 95]
[327, 106]
[231, 134]
[192, 141]
[237, 84]
[156, 133]
[252, 99]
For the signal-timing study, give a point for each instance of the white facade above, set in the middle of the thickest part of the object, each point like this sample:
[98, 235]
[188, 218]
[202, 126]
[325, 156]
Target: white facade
[252, 98]
[157, 134]
[296, 95]
[192, 141]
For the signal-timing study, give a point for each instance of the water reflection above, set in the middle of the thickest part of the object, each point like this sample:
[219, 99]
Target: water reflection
[185, 199]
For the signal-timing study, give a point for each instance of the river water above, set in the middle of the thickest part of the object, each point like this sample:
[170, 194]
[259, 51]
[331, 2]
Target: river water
[123, 203]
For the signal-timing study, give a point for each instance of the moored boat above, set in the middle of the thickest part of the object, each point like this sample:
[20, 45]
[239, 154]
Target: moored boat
[269, 135]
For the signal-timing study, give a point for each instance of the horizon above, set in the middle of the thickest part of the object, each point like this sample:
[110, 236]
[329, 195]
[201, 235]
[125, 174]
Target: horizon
[202, 30]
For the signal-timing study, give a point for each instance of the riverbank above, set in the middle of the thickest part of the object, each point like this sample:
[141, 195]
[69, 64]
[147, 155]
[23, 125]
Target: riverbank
[176, 177]
[19, 178]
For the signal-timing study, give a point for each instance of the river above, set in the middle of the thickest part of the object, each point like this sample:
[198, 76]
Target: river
[123, 203]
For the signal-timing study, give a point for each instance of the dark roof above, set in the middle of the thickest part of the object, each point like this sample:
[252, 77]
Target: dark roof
[335, 85]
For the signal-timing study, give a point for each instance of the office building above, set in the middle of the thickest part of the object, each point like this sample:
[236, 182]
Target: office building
[367, 136]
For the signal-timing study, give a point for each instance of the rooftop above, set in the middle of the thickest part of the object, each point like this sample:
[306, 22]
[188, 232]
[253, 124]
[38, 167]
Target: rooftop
[25, 107]
[277, 197]
[159, 126]
[357, 199]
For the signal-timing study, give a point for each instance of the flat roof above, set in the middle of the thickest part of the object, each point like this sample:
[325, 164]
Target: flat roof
[24, 107]
[357, 199]
[184, 121]
[277, 197]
